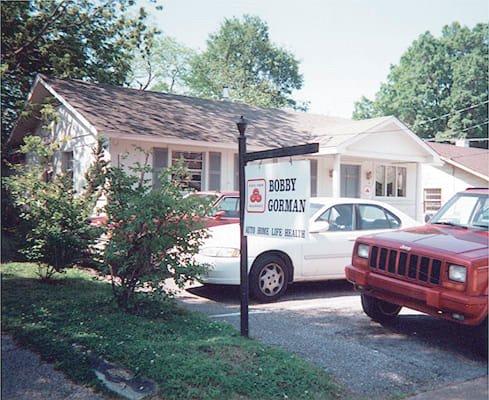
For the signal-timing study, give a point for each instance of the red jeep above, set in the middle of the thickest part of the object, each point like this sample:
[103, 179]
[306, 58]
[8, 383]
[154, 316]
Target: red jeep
[440, 269]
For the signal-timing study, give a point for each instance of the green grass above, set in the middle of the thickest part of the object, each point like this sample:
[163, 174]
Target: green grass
[189, 356]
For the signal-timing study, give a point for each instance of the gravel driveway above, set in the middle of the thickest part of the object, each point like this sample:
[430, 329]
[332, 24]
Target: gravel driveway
[324, 323]
[25, 376]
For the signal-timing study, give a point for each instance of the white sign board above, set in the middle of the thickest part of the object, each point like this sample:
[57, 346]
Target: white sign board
[277, 199]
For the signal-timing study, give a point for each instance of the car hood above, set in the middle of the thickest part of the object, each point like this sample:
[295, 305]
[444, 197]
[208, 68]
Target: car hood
[445, 239]
[223, 236]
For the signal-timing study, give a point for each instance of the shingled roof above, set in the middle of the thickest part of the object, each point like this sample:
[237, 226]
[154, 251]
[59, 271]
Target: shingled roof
[116, 110]
[471, 158]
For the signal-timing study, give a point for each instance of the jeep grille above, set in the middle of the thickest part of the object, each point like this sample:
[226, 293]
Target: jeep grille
[404, 265]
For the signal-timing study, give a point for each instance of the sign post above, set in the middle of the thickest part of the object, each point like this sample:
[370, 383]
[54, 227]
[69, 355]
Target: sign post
[244, 158]
[243, 253]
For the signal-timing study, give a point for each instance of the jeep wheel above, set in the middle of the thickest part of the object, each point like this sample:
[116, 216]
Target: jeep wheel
[379, 310]
[268, 278]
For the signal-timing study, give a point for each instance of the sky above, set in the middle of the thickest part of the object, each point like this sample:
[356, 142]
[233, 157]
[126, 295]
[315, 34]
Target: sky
[345, 47]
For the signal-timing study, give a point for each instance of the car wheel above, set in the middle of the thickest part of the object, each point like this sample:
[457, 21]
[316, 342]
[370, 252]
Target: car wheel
[268, 278]
[379, 310]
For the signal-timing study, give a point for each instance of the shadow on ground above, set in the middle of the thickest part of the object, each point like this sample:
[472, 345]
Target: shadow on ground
[228, 294]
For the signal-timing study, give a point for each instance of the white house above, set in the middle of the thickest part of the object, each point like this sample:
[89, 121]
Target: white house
[462, 167]
[375, 158]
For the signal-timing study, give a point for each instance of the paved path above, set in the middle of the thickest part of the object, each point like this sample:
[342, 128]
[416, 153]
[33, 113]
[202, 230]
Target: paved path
[25, 376]
[324, 323]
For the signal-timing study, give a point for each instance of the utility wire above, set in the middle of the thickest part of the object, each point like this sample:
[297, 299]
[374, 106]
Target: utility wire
[453, 112]
[389, 131]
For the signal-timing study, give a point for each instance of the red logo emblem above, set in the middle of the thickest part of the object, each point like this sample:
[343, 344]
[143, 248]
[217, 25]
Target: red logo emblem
[255, 196]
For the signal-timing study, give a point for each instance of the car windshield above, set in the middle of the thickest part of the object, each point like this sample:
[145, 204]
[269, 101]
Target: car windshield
[466, 210]
[228, 205]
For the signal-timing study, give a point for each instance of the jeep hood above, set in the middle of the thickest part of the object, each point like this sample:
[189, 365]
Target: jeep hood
[445, 239]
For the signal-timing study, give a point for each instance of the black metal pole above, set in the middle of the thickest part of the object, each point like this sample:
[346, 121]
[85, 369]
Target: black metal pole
[244, 287]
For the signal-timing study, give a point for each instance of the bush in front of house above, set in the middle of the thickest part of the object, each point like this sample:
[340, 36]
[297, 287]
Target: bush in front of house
[52, 216]
[153, 232]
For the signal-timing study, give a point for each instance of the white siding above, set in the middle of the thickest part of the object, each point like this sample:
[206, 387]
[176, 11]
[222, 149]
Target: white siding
[449, 179]
[72, 135]
[405, 204]
[126, 154]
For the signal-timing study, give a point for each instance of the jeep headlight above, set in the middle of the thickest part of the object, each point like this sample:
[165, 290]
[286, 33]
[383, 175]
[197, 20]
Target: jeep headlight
[362, 250]
[457, 273]
[219, 252]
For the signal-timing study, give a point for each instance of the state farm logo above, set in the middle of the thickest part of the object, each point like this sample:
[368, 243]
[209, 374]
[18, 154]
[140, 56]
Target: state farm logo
[256, 189]
[255, 196]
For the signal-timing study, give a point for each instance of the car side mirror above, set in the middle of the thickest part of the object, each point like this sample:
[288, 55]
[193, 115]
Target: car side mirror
[427, 218]
[319, 227]
[219, 214]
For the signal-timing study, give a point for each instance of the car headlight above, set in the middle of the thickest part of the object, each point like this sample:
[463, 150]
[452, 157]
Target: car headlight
[362, 250]
[457, 273]
[219, 252]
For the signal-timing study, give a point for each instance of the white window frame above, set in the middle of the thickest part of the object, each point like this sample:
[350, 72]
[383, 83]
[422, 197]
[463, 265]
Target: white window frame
[205, 163]
[384, 195]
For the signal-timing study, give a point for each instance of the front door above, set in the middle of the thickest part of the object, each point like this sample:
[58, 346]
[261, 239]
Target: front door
[350, 180]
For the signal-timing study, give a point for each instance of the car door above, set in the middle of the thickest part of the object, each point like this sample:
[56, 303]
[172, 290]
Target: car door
[325, 254]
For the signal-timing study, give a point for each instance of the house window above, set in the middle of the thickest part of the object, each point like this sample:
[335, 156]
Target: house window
[160, 162]
[390, 181]
[67, 163]
[432, 199]
[214, 171]
[195, 164]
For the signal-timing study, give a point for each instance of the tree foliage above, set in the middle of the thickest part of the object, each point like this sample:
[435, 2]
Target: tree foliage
[163, 65]
[53, 216]
[153, 232]
[434, 77]
[83, 39]
[242, 57]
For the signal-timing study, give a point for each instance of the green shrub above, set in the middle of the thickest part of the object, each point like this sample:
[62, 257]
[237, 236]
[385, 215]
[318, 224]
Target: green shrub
[52, 214]
[153, 233]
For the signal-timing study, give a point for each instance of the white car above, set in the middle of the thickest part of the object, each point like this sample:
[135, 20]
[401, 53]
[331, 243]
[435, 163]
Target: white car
[275, 262]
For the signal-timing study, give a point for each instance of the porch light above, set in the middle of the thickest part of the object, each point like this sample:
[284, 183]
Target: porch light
[242, 124]
[368, 175]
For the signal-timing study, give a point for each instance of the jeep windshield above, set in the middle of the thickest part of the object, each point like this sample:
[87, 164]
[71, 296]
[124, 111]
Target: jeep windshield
[466, 210]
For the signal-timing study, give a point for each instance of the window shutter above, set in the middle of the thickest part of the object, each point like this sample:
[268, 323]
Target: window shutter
[160, 162]
[214, 171]
[314, 178]
[236, 172]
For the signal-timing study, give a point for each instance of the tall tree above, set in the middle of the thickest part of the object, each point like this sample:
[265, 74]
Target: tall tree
[242, 57]
[82, 39]
[163, 65]
[437, 77]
